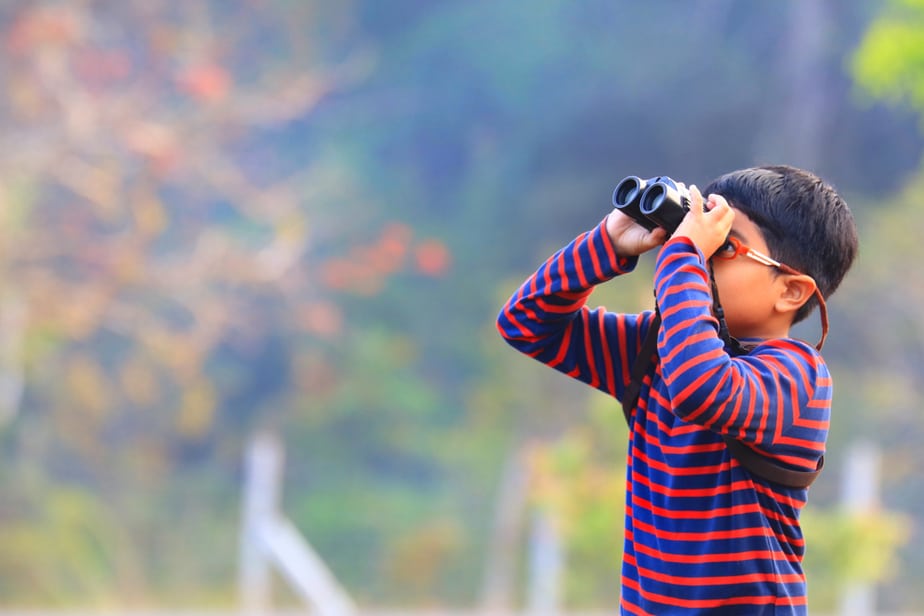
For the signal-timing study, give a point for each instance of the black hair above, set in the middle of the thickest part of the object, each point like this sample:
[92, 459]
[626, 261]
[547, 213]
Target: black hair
[805, 222]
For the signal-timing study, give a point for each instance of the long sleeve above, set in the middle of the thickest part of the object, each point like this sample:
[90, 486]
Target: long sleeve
[547, 319]
[776, 398]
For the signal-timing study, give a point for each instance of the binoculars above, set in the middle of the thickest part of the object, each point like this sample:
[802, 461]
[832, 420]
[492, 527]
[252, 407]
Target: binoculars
[655, 202]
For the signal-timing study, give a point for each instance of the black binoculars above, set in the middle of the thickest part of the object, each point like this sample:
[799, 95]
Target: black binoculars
[655, 202]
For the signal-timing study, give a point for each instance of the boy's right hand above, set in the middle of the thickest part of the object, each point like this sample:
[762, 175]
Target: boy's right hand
[629, 238]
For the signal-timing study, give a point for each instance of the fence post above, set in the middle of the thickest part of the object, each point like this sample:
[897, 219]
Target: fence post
[262, 471]
[860, 494]
[269, 539]
[546, 565]
[500, 572]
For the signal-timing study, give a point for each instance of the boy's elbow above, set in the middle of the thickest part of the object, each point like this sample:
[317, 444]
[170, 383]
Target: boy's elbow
[510, 331]
[502, 323]
[502, 328]
[700, 402]
[689, 409]
[519, 335]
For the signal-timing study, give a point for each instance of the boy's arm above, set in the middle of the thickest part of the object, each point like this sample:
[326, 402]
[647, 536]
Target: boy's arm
[776, 399]
[547, 318]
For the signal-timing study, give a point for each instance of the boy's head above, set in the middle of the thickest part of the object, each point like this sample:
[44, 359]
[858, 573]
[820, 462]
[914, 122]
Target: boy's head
[805, 223]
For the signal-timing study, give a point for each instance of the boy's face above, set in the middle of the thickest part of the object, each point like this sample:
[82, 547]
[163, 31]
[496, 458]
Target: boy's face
[748, 290]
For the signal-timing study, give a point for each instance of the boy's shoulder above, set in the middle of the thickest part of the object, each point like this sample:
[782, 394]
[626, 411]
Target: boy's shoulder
[774, 345]
[787, 353]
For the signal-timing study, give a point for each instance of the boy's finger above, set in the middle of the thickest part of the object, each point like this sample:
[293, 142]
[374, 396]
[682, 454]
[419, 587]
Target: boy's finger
[696, 200]
[715, 201]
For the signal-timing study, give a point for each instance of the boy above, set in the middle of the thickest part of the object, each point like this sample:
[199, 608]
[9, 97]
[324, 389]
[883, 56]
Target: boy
[703, 535]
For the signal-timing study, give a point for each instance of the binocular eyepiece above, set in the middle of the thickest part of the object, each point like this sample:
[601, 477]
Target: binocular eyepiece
[655, 202]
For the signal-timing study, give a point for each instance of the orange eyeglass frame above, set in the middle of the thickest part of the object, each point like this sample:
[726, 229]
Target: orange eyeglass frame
[743, 250]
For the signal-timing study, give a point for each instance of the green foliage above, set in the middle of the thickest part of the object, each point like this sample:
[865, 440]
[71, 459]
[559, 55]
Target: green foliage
[580, 480]
[73, 554]
[845, 548]
[889, 63]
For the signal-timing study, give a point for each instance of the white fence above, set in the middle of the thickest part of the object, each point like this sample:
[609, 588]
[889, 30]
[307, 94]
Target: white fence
[270, 541]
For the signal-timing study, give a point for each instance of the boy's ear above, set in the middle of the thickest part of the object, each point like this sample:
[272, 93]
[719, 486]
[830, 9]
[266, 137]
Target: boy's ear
[798, 289]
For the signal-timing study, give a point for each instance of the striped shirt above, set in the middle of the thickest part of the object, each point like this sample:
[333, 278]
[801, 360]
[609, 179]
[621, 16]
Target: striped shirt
[702, 535]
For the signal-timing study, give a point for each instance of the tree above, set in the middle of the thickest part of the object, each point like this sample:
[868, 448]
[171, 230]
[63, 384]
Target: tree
[171, 263]
[889, 62]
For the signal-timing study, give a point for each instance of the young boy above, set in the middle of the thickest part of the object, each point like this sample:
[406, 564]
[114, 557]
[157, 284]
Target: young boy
[704, 535]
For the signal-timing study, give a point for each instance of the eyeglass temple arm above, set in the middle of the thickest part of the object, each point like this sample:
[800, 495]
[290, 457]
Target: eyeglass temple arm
[823, 310]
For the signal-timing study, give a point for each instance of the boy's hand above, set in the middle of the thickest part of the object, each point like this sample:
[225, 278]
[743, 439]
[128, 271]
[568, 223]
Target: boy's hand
[707, 230]
[629, 238]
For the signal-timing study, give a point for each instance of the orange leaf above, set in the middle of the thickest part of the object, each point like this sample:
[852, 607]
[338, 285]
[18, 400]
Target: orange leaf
[433, 258]
[207, 82]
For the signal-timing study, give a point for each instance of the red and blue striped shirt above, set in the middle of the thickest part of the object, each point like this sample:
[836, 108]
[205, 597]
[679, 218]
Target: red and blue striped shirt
[702, 535]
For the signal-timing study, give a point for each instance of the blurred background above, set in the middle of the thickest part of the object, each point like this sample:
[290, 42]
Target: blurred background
[299, 219]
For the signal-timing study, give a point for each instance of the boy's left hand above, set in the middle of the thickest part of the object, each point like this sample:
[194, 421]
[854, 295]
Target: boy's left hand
[707, 230]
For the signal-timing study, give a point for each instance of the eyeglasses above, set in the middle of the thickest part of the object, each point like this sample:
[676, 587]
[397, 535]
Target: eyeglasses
[733, 248]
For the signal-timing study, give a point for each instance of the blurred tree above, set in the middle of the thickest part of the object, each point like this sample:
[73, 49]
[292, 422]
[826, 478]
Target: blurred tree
[846, 548]
[888, 66]
[171, 265]
[889, 62]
